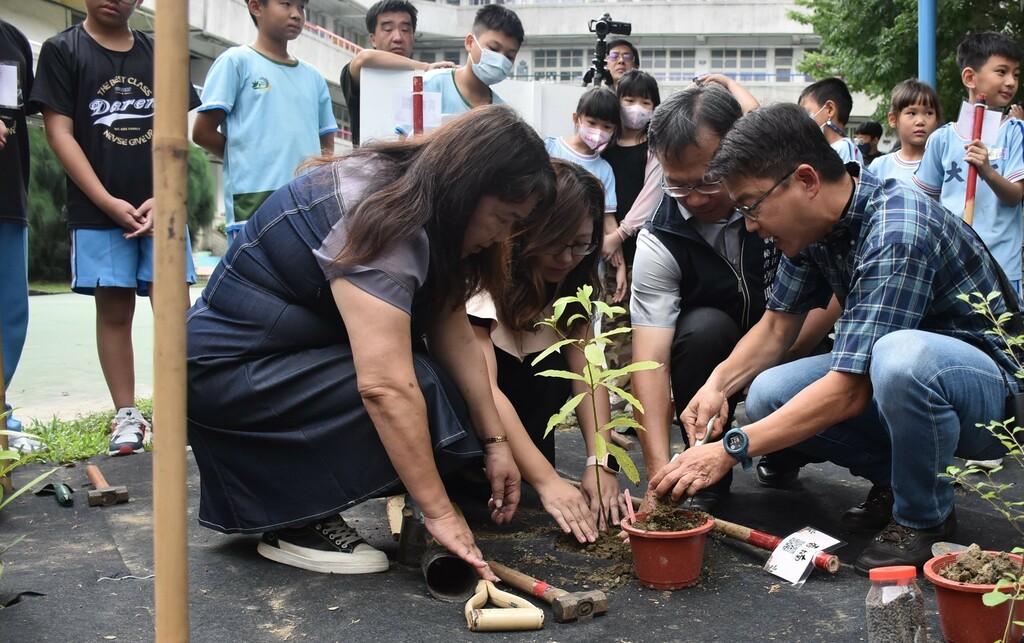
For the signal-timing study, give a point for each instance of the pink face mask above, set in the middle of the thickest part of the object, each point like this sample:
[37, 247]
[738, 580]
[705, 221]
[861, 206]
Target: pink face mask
[636, 116]
[596, 139]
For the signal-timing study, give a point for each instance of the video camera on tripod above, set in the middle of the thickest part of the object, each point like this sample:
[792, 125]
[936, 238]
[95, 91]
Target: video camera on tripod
[602, 27]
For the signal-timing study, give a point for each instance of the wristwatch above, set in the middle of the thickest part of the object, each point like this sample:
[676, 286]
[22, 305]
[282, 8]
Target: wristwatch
[608, 463]
[736, 443]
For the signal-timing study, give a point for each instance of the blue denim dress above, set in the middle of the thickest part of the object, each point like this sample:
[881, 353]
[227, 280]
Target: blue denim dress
[275, 419]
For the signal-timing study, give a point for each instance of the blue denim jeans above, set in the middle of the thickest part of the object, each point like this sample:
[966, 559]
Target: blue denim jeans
[929, 393]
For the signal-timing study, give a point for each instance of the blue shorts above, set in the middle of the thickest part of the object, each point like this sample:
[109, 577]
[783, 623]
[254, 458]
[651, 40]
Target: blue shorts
[105, 259]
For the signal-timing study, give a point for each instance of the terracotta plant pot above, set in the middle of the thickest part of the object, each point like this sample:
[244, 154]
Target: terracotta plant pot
[667, 559]
[963, 616]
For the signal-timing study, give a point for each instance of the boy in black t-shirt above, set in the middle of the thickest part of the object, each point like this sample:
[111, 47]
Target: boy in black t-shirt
[15, 87]
[94, 85]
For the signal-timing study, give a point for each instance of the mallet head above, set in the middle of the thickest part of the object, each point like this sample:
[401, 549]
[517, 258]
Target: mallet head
[579, 606]
[108, 496]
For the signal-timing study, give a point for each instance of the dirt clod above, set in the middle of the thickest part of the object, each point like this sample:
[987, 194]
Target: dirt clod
[981, 567]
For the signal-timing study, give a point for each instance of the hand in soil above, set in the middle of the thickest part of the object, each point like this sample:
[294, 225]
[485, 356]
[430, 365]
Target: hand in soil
[568, 507]
[505, 482]
[607, 507]
[451, 532]
[696, 468]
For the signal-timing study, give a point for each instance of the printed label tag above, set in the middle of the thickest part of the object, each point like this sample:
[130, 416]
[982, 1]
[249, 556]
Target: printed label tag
[793, 559]
[9, 86]
[989, 125]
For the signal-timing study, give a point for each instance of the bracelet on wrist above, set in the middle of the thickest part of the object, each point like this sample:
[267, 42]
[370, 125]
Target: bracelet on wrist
[495, 439]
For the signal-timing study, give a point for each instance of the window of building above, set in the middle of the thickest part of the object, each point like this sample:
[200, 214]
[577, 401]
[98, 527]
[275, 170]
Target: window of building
[753, 65]
[425, 57]
[723, 60]
[783, 64]
[453, 55]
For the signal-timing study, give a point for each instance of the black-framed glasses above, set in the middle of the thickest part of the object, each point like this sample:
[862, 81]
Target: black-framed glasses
[682, 191]
[750, 211]
[614, 55]
[577, 249]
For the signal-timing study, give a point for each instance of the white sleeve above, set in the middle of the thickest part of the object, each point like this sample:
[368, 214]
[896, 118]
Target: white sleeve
[655, 298]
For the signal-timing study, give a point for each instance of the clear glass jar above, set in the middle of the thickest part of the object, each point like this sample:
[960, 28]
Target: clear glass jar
[895, 606]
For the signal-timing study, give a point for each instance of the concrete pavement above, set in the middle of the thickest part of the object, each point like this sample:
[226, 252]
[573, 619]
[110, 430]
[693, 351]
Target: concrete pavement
[59, 373]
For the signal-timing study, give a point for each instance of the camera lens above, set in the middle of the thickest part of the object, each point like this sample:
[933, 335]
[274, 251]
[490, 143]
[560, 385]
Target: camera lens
[601, 28]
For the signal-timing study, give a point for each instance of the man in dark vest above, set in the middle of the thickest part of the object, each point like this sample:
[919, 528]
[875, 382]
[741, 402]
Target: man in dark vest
[699, 278]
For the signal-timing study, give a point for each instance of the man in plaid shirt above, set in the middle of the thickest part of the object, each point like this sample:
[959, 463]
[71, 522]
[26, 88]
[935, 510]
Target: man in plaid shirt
[912, 371]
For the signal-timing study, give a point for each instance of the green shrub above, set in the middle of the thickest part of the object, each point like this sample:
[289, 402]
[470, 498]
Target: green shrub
[49, 245]
[201, 194]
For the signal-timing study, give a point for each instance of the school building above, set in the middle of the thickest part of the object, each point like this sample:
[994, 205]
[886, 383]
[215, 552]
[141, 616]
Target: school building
[753, 41]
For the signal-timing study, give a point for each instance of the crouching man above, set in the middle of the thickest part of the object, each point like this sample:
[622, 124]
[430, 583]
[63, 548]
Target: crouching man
[912, 371]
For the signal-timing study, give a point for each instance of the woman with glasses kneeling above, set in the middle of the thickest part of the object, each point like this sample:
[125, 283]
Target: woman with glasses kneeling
[551, 259]
[330, 358]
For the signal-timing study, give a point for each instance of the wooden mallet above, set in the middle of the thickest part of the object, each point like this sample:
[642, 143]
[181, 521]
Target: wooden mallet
[103, 495]
[565, 606]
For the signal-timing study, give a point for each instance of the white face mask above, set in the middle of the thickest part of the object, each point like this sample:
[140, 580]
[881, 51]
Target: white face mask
[596, 139]
[492, 68]
[814, 117]
[636, 116]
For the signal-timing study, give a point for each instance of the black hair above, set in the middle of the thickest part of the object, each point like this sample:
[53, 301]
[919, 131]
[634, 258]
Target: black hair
[494, 17]
[638, 84]
[771, 141]
[620, 42]
[871, 129]
[914, 92]
[830, 89]
[252, 15]
[600, 103]
[976, 48]
[579, 196]
[677, 122]
[389, 6]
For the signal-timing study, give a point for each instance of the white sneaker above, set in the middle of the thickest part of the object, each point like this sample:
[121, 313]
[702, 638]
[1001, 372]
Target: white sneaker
[128, 432]
[987, 465]
[24, 444]
[329, 546]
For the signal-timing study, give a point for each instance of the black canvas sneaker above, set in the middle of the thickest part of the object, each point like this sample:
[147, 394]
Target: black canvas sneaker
[328, 546]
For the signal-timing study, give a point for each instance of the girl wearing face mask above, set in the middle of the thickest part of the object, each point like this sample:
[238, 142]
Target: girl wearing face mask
[555, 252]
[596, 120]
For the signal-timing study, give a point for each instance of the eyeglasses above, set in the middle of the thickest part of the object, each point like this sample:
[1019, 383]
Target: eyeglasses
[614, 55]
[128, 2]
[683, 191]
[750, 211]
[577, 249]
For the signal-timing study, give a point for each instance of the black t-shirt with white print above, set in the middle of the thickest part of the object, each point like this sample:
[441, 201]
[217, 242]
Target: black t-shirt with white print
[109, 96]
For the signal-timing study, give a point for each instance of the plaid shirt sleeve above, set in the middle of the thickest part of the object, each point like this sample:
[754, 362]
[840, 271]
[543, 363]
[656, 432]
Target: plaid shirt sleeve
[891, 290]
[798, 288]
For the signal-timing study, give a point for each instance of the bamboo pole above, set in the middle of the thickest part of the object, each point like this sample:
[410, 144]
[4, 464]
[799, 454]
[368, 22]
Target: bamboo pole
[170, 185]
[5, 481]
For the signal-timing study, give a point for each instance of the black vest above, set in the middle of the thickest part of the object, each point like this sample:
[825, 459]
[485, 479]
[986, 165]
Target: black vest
[709, 280]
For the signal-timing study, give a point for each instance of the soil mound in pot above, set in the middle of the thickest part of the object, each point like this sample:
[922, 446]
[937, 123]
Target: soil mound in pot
[668, 517]
[980, 567]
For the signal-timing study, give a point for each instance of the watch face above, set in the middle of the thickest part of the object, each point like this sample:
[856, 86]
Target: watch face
[735, 443]
[612, 464]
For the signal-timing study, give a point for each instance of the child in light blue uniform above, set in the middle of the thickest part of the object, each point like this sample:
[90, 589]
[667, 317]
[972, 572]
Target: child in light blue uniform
[990, 63]
[914, 113]
[829, 103]
[597, 118]
[273, 112]
[491, 48]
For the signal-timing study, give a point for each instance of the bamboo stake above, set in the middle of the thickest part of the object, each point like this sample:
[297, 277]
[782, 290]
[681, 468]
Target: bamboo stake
[170, 183]
[5, 481]
[972, 172]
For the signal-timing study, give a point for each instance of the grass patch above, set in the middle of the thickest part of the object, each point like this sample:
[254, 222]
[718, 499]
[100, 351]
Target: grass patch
[48, 287]
[83, 437]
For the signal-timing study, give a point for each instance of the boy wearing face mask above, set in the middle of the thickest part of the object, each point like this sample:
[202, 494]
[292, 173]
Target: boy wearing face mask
[597, 118]
[828, 102]
[491, 49]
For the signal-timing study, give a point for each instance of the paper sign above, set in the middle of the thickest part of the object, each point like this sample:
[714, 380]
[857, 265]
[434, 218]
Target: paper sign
[793, 559]
[403, 111]
[9, 86]
[989, 127]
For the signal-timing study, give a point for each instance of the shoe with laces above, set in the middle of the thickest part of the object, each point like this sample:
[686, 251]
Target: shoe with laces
[128, 432]
[901, 545]
[872, 514]
[329, 546]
